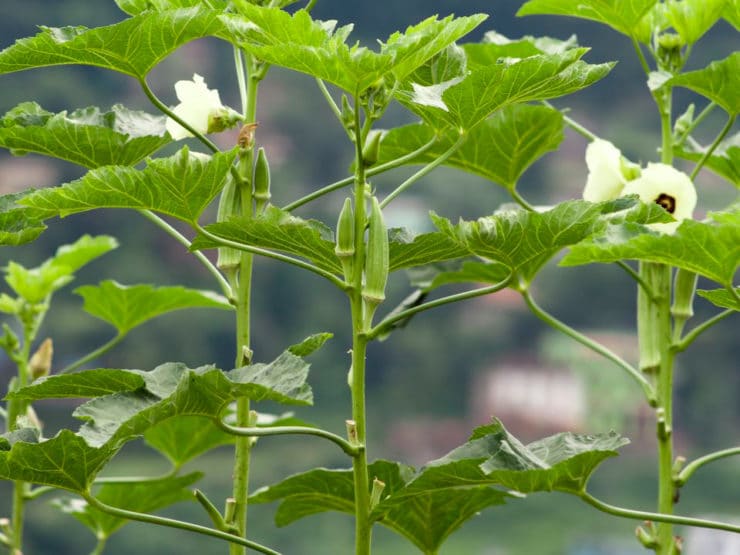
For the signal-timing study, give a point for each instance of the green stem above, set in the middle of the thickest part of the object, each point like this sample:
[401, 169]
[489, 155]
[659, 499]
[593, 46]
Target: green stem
[690, 337]
[636, 276]
[388, 322]
[172, 523]
[725, 130]
[180, 238]
[332, 105]
[407, 158]
[520, 200]
[423, 171]
[591, 344]
[663, 99]
[162, 107]
[656, 517]
[640, 56]
[363, 527]
[271, 254]
[694, 465]
[100, 546]
[253, 431]
[93, 354]
[697, 120]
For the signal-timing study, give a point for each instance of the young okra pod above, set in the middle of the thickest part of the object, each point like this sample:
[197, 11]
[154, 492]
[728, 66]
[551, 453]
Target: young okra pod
[229, 205]
[345, 240]
[376, 262]
[261, 181]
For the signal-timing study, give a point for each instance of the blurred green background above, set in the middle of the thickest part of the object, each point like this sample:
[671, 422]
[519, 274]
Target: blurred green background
[430, 383]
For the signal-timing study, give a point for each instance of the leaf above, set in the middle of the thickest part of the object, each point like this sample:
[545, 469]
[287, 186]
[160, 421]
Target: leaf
[26, 435]
[463, 103]
[732, 13]
[143, 497]
[719, 82]
[87, 137]
[135, 7]
[562, 462]
[496, 46]
[692, 18]
[71, 461]
[722, 297]
[19, 224]
[524, 241]
[133, 46]
[182, 186]
[319, 49]
[278, 230]
[711, 249]
[36, 284]
[125, 307]
[621, 15]
[183, 438]
[427, 248]
[501, 148]
[724, 161]
[468, 272]
[309, 345]
[425, 518]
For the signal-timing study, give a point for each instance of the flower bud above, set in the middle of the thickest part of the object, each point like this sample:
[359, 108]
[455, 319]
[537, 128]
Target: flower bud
[371, 150]
[40, 363]
[261, 180]
[376, 262]
[345, 241]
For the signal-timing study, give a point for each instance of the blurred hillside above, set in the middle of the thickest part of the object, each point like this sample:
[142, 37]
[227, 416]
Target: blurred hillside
[425, 394]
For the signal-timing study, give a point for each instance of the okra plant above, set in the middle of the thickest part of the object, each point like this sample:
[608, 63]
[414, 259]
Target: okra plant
[483, 108]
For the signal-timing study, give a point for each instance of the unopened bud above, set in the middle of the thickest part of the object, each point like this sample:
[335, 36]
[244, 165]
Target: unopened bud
[40, 363]
[371, 150]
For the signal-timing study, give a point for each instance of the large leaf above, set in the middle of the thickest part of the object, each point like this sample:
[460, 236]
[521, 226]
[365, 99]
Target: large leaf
[427, 248]
[87, 137]
[71, 461]
[711, 248]
[724, 161]
[133, 46]
[562, 462]
[19, 224]
[719, 82]
[36, 284]
[319, 49]
[501, 148]
[184, 438]
[425, 518]
[692, 18]
[143, 497]
[622, 15]
[732, 13]
[125, 307]
[182, 186]
[464, 102]
[722, 297]
[279, 230]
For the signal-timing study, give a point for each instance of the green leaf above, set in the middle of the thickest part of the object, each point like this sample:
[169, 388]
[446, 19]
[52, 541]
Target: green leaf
[722, 297]
[496, 46]
[279, 230]
[732, 13]
[125, 307]
[19, 224]
[143, 497]
[71, 461]
[724, 161]
[467, 272]
[133, 46]
[183, 438]
[524, 241]
[719, 82]
[692, 18]
[182, 186]
[501, 148]
[463, 103]
[427, 248]
[35, 284]
[711, 248]
[319, 49]
[309, 345]
[621, 15]
[26, 435]
[135, 7]
[87, 137]
[562, 462]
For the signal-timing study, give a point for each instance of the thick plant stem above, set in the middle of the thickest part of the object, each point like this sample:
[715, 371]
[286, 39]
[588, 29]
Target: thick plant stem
[243, 447]
[358, 428]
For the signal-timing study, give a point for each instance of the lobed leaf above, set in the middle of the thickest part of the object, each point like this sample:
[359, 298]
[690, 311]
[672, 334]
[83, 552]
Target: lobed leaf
[143, 497]
[622, 15]
[182, 185]
[184, 438]
[711, 248]
[19, 224]
[278, 230]
[133, 46]
[724, 161]
[692, 18]
[722, 297]
[719, 82]
[125, 307]
[135, 7]
[427, 248]
[87, 137]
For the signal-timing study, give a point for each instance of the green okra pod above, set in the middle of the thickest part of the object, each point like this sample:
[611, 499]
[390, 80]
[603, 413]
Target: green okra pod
[261, 180]
[376, 261]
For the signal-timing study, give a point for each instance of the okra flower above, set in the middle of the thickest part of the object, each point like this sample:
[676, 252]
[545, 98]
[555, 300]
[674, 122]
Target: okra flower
[668, 187]
[201, 108]
[608, 171]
